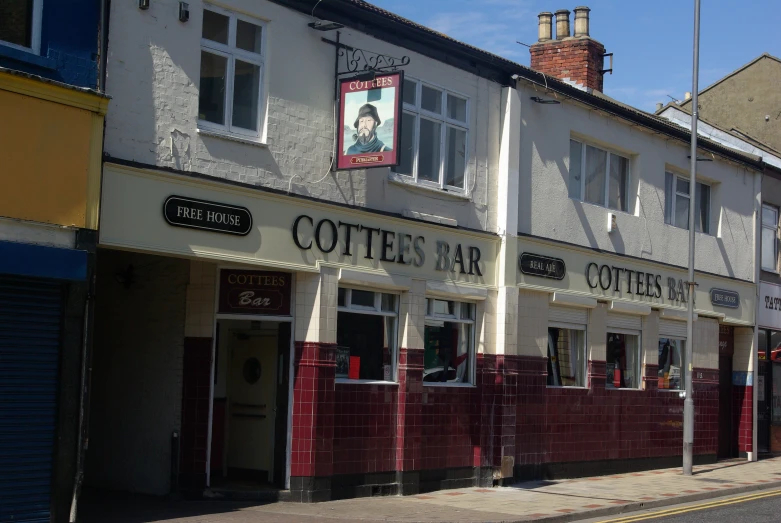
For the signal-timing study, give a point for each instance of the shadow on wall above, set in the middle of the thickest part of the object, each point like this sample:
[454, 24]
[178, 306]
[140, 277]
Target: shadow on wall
[136, 370]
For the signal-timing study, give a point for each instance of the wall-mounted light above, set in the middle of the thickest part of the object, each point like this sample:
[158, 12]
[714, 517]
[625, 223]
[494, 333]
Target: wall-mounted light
[325, 25]
[143, 4]
[184, 11]
[544, 101]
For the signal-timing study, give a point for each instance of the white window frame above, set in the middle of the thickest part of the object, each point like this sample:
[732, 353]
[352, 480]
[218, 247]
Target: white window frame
[606, 196]
[639, 365]
[670, 220]
[432, 319]
[35, 37]
[774, 228]
[231, 52]
[573, 327]
[683, 361]
[418, 112]
[376, 310]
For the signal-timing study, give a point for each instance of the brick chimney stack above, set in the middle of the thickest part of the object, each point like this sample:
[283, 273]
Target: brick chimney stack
[577, 59]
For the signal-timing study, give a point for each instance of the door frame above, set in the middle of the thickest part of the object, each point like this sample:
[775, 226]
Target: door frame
[253, 317]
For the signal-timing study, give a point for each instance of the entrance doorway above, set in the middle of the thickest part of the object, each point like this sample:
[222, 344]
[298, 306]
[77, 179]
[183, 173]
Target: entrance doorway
[249, 425]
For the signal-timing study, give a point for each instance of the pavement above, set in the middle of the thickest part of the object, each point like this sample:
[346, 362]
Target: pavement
[546, 501]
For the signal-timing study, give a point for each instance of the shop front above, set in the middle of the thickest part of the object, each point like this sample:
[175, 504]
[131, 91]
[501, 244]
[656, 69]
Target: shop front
[325, 350]
[769, 368]
[603, 342]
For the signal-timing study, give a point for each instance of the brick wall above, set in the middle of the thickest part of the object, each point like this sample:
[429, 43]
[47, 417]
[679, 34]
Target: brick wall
[576, 60]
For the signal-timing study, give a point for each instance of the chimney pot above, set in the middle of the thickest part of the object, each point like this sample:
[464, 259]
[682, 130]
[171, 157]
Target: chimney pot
[687, 96]
[581, 21]
[659, 106]
[544, 29]
[562, 24]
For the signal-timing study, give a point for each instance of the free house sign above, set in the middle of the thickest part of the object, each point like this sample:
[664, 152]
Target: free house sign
[180, 211]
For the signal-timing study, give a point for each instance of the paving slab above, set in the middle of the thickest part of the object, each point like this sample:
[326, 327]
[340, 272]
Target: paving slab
[542, 501]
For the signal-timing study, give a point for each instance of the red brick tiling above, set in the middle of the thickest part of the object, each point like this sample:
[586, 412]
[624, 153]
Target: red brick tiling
[557, 424]
[742, 415]
[313, 409]
[196, 398]
[409, 408]
[580, 60]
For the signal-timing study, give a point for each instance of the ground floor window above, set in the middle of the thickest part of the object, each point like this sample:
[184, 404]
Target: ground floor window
[449, 341]
[366, 335]
[672, 352]
[567, 356]
[623, 361]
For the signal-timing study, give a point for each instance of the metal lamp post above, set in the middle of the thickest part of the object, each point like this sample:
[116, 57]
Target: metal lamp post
[688, 404]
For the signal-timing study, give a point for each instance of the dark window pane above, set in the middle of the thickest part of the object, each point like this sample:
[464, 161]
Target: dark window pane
[16, 22]
[671, 354]
[364, 346]
[429, 150]
[443, 307]
[619, 176]
[703, 208]
[248, 36]
[446, 357]
[456, 157]
[623, 363]
[669, 197]
[362, 298]
[388, 303]
[682, 211]
[407, 149]
[566, 357]
[409, 92]
[341, 300]
[211, 99]
[596, 163]
[246, 83]
[215, 27]
[431, 99]
[456, 108]
[682, 186]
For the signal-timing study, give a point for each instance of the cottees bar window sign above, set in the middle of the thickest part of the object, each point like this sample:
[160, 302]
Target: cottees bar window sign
[369, 121]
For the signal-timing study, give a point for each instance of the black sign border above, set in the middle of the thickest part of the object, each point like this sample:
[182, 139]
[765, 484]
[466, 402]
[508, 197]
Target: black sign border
[520, 265]
[727, 291]
[196, 200]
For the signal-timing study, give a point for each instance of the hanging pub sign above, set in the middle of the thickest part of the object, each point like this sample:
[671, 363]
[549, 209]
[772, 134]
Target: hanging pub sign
[254, 292]
[543, 266]
[209, 216]
[369, 121]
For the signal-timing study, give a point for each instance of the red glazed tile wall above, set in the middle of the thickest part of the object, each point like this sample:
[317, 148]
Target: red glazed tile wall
[571, 425]
[743, 416]
[409, 410]
[196, 397]
[313, 410]
[364, 428]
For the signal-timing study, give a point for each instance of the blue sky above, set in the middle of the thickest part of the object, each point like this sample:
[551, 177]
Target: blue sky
[651, 41]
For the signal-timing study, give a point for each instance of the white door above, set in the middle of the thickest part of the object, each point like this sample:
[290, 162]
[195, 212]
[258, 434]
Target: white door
[251, 401]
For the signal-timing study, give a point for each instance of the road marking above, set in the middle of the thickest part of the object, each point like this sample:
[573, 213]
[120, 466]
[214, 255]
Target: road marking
[693, 508]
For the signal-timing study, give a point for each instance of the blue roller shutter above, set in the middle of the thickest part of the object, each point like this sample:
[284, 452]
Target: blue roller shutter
[30, 324]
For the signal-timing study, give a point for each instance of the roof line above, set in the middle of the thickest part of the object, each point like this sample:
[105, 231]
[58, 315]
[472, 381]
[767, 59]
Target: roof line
[733, 73]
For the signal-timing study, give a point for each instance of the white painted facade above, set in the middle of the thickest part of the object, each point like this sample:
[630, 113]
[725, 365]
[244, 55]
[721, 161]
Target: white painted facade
[153, 78]
[547, 211]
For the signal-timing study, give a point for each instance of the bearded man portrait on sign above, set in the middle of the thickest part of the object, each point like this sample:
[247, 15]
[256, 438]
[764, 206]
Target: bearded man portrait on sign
[365, 136]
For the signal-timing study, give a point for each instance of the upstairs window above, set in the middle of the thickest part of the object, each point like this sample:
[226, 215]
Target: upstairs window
[598, 176]
[231, 73]
[769, 238]
[20, 24]
[678, 199]
[434, 134]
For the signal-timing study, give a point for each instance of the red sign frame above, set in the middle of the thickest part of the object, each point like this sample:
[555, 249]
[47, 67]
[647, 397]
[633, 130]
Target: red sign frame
[388, 84]
[261, 293]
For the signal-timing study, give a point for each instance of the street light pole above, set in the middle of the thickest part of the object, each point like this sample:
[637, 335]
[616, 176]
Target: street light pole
[688, 403]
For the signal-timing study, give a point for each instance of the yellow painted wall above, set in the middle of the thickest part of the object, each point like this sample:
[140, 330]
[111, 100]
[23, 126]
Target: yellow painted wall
[49, 153]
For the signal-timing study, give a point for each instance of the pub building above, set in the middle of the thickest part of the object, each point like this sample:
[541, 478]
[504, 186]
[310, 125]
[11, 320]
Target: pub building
[475, 315]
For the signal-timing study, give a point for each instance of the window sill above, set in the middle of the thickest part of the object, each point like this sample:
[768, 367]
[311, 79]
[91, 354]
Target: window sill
[772, 271]
[26, 56]
[625, 388]
[574, 387]
[348, 381]
[405, 181]
[449, 385]
[695, 232]
[231, 137]
[603, 207]
[670, 390]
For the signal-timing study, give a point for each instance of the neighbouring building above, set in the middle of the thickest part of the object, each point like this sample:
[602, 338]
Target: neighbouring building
[505, 303]
[738, 111]
[51, 135]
